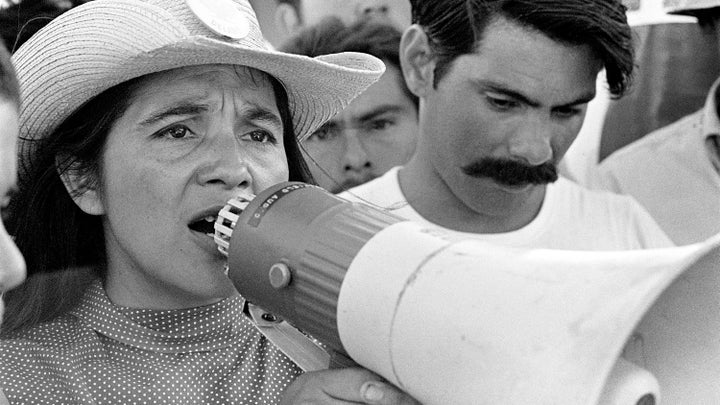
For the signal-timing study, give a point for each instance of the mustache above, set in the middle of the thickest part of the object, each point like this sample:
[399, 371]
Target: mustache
[512, 172]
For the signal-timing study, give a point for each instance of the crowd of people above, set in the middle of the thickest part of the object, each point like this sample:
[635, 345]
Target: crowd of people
[127, 124]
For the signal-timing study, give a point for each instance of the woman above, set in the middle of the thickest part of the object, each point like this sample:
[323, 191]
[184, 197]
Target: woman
[140, 120]
[12, 265]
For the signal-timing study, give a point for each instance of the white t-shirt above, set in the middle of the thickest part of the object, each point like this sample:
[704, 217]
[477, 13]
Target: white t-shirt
[571, 218]
[674, 173]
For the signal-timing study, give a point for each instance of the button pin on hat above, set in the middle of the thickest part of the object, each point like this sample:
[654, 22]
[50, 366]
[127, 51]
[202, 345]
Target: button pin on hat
[221, 16]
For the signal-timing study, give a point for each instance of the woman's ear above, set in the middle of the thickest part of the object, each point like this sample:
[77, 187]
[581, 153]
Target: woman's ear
[82, 189]
[417, 61]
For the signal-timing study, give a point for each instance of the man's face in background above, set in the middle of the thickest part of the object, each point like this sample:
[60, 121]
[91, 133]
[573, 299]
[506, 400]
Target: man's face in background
[393, 12]
[375, 133]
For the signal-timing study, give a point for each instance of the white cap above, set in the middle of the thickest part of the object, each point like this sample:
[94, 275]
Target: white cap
[689, 6]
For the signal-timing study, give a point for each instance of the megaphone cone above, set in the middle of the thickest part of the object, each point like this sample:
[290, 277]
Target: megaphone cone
[485, 324]
[474, 323]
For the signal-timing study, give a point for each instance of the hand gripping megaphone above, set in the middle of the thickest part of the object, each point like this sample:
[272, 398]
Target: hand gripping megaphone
[467, 322]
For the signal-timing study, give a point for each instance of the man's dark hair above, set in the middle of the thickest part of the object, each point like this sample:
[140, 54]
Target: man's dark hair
[331, 35]
[9, 87]
[456, 27]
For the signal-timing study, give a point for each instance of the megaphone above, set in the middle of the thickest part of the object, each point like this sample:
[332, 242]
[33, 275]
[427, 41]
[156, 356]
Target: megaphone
[467, 322]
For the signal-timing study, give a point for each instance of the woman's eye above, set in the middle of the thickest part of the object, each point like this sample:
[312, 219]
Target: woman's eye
[262, 137]
[176, 132]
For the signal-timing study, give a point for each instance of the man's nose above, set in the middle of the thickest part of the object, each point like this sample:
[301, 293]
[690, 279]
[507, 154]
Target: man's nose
[532, 143]
[355, 158]
[373, 9]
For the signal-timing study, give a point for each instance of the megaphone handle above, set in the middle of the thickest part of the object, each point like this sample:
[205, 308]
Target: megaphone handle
[297, 346]
[340, 360]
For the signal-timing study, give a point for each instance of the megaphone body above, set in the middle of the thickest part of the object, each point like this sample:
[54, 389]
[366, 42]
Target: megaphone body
[468, 322]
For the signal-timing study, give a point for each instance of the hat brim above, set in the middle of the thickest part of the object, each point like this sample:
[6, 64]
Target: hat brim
[317, 87]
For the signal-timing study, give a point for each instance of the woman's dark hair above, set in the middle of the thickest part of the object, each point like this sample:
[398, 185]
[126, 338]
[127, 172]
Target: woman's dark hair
[456, 27]
[64, 248]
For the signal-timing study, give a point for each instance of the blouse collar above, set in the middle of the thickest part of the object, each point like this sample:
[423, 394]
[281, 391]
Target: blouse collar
[205, 328]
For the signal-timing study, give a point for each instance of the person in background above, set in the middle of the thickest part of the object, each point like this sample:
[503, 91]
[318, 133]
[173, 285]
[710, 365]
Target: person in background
[291, 16]
[503, 88]
[12, 264]
[674, 172]
[378, 130]
[136, 128]
[22, 19]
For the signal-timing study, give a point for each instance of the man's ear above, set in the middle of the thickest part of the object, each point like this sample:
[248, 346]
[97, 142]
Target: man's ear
[417, 61]
[82, 190]
[287, 19]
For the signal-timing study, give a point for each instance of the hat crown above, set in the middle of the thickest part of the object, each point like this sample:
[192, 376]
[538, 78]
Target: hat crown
[103, 43]
[119, 32]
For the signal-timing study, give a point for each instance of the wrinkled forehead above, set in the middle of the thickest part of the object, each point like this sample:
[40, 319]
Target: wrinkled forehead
[232, 76]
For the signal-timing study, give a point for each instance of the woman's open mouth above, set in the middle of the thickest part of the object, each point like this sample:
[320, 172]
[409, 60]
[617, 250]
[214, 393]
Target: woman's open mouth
[205, 225]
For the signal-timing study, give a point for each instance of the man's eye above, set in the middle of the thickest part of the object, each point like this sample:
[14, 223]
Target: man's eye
[322, 134]
[502, 103]
[567, 112]
[176, 132]
[380, 125]
[262, 137]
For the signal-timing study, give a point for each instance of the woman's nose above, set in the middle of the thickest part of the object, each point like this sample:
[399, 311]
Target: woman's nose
[225, 165]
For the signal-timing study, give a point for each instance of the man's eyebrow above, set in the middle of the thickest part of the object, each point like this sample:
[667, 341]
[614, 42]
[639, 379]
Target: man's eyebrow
[504, 90]
[379, 110]
[584, 99]
[181, 108]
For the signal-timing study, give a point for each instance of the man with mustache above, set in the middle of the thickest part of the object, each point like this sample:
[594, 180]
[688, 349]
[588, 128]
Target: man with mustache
[503, 88]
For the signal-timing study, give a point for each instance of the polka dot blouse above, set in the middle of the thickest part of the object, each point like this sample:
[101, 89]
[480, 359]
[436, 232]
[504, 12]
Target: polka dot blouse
[104, 354]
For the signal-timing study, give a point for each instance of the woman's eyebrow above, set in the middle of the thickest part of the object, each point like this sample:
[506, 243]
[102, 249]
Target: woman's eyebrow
[181, 108]
[254, 113]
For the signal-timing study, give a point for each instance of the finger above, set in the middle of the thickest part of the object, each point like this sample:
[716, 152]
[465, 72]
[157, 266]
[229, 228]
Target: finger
[347, 383]
[379, 393]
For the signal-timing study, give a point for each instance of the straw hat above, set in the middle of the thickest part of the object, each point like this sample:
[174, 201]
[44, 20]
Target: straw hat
[102, 43]
[690, 7]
